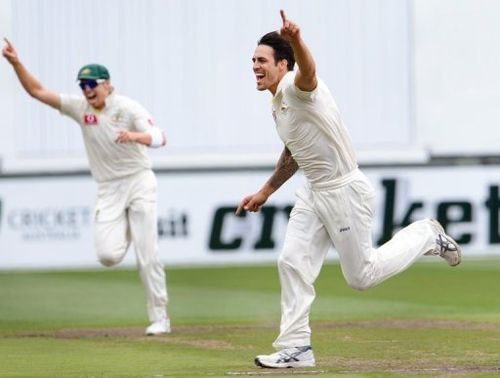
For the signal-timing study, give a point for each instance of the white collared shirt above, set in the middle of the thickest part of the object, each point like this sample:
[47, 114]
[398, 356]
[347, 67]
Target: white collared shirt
[309, 124]
[109, 160]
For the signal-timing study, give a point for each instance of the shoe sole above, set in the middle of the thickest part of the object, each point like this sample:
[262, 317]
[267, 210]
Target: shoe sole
[459, 252]
[157, 333]
[285, 365]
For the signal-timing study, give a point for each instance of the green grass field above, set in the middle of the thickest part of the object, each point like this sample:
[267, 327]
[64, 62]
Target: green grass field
[431, 320]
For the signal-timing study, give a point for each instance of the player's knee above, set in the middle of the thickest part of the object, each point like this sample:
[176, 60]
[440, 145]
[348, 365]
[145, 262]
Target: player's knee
[360, 283]
[286, 261]
[291, 266]
[362, 275]
[109, 257]
[107, 261]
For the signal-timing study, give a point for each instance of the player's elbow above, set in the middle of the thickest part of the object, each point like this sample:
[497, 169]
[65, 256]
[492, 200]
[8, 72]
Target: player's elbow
[35, 93]
[158, 138]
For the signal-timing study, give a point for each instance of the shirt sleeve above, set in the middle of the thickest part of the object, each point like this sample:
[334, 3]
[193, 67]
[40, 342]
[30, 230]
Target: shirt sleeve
[141, 118]
[72, 106]
[308, 96]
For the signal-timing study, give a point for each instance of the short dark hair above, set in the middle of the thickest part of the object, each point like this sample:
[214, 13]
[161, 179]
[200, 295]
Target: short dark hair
[282, 48]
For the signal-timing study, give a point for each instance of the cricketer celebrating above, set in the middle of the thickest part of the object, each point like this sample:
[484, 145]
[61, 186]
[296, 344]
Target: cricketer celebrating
[116, 131]
[336, 204]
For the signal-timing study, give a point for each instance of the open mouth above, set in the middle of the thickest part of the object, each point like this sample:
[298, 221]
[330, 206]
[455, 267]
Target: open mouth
[91, 97]
[259, 77]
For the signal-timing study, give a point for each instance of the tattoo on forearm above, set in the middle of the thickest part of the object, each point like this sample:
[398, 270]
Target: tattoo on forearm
[285, 168]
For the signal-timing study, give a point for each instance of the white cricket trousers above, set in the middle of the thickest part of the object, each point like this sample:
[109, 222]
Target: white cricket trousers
[338, 212]
[126, 211]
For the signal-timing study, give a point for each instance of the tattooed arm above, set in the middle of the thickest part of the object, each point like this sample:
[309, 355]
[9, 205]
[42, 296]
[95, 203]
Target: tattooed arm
[285, 168]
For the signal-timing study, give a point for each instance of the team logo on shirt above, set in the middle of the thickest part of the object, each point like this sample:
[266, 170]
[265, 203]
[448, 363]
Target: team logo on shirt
[117, 117]
[90, 119]
[282, 110]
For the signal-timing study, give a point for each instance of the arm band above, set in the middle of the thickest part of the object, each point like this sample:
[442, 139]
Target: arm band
[156, 137]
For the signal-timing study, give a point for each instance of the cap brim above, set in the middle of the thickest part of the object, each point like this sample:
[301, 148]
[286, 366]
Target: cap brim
[90, 77]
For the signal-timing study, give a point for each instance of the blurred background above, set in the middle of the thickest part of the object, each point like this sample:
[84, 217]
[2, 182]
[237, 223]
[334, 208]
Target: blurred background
[417, 83]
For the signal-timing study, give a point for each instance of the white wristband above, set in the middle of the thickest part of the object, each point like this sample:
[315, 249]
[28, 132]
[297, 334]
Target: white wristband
[156, 137]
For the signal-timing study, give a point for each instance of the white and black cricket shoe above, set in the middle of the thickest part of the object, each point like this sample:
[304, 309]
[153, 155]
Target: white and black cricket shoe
[449, 249]
[160, 327]
[287, 358]
[446, 247]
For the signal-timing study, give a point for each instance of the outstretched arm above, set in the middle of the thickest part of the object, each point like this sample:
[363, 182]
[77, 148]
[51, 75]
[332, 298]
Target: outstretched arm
[305, 79]
[28, 81]
[285, 168]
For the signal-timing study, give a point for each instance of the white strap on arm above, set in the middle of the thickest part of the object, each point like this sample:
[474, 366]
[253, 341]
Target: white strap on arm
[156, 137]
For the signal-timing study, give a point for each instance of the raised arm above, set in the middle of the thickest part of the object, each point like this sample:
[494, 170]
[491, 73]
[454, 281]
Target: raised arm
[305, 79]
[28, 81]
[285, 168]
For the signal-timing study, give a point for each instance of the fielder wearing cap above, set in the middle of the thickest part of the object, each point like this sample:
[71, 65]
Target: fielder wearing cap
[93, 72]
[117, 132]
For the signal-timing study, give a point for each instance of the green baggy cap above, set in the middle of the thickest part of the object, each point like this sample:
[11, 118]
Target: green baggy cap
[93, 72]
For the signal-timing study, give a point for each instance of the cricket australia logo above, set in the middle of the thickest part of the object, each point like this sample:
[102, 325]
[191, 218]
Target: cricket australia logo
[90, 119]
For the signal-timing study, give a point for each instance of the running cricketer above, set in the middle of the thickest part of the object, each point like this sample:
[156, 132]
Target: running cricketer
[116, 131]
[336, 204]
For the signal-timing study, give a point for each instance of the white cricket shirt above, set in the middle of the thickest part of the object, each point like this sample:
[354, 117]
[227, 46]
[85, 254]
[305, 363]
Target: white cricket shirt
[109, 160]
[309, 124]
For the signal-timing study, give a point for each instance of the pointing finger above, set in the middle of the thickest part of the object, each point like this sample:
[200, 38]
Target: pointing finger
[283, 17]
[7, 42]
[238, 210]
[242, 205]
